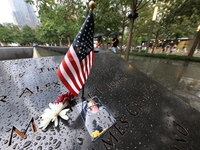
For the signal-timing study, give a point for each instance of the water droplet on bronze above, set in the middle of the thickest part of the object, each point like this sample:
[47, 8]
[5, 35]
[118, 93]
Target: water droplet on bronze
[79, 141]
[14, 147]
[44, 137]
[8, 129]
[38, 137]
[51, 138]
[6, 141]
[14, 135]
[50, 148]
[39, 148]
[58, 145]
[27, 143]
[54, 141]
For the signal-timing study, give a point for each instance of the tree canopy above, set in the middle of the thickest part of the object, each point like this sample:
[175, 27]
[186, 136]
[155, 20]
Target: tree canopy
[60, 20]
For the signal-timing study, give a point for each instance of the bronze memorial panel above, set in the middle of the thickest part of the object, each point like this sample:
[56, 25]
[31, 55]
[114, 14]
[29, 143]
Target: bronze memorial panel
[148, 116]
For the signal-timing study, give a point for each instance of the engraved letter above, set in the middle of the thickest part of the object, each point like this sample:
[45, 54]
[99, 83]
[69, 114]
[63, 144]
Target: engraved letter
[110, 142]
[21, 134]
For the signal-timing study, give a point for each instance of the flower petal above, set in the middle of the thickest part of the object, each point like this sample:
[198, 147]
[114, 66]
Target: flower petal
[63, 115]
[51, 105]
[64, 111]
[44, 124]
[51, 114]
[56, 122]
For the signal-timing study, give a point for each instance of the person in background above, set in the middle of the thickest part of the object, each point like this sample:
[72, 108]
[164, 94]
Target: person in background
[184, 49]
[115, 42]
[99, 42]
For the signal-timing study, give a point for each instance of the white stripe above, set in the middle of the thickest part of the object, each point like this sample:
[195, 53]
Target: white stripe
[84, 68]
[92, 56]
[74, 55]
[67, 78]
[90, 59]
[71, 68]
[88, 64]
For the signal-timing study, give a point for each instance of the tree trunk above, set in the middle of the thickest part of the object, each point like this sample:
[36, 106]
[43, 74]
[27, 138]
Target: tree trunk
[122, 43]
[123, 29]
[193, 45]
[150, 34]
[69, 43]
[60, 41]
[129, 40]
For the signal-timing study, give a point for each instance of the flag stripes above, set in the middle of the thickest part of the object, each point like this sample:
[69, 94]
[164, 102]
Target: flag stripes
[74, 74]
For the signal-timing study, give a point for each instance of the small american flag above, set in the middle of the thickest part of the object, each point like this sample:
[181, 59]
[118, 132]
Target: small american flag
[75, 67]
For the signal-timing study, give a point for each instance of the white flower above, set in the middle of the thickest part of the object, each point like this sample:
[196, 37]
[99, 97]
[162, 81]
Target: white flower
[53, 113]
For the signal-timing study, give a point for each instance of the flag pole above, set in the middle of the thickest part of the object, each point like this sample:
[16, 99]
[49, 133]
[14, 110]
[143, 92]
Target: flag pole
[92, 5]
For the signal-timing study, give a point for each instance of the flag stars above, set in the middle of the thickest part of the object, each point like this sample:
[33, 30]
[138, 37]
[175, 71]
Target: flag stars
[84, 40]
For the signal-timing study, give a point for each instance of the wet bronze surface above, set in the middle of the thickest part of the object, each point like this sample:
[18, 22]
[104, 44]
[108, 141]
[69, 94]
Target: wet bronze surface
[148, 115]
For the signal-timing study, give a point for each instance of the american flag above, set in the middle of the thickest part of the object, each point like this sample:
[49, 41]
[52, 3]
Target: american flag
[75, 67]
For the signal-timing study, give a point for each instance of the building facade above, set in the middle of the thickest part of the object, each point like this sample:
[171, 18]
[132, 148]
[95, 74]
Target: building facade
[23, 13]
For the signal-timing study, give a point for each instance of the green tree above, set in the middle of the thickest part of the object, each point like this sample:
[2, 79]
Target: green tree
[58, 20]
[192, 13]
[107, 17]
[61, 21]
[135, 6]
[5, 35]
[15, 33]
[141, 25]
[28, 35]
[180, 19]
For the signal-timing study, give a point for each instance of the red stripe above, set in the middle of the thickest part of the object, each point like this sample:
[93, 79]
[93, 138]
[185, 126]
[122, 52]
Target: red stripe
[87, 64]
[67, 85]
[73, 62]
[82, 70]
[89, 59]
[69, 73]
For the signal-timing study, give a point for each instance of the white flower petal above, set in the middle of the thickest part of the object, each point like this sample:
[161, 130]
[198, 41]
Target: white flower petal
[65, 104]
[64, 111]
[43, 125]
[56, 122]
[51, 105]
[51, 114]
[63, 114]
[65, 117]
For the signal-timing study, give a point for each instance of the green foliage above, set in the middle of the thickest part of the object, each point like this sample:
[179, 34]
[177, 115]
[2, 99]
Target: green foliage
[15, 33]
[172, 19]
[5, 34]
[28, 35]
[58, 21]
[142, 25]
[107, 17]
[12, 34]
